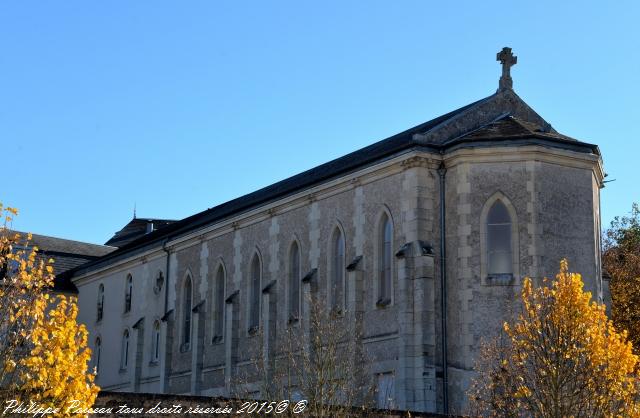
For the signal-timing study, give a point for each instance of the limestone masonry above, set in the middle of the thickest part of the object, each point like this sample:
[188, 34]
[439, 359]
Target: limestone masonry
[456, 210]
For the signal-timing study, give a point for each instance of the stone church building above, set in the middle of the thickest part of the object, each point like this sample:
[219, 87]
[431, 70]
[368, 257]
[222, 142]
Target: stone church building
[427, 235]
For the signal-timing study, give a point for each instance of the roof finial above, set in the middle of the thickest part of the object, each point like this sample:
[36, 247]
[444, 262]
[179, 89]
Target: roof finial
[134, 210]
[508, 60]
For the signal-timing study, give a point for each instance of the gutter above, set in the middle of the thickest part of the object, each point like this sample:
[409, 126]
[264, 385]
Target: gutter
[442, 171]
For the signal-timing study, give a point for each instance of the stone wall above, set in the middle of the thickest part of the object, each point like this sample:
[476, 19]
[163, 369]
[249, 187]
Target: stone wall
[555, 214]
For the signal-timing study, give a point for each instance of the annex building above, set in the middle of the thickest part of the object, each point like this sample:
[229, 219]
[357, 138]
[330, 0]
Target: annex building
[421, 241]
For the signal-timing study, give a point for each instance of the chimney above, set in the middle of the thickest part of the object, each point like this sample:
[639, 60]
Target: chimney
[149, 226]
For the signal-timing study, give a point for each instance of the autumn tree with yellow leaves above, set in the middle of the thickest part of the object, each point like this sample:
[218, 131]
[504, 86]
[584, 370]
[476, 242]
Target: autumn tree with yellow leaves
[43, 351]
[561, 357]
[621, 262]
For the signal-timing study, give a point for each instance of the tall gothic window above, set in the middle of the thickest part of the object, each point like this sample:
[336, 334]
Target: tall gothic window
[254, 294]
[155, 342]
[100, 310]
[385, 259]
[499, 249]
[218, 305]
[337, 270]
[128, 292]
[96, 354]
[124, 353]
[186, 317]
[294, 282]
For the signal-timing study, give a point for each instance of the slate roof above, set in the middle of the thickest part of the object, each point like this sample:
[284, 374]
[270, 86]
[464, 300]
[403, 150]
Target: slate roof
[502, 117]
[67, 254]
[511, 127]
[136, 228]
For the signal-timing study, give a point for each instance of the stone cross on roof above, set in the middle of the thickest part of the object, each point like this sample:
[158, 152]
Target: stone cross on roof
[508, 60]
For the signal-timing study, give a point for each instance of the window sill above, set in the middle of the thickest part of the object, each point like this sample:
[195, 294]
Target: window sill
[383, 303]
[500, 280]
[154, 363]
[336, 312]
[122, 371]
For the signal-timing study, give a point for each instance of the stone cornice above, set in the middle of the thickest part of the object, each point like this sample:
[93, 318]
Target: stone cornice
[527, 153]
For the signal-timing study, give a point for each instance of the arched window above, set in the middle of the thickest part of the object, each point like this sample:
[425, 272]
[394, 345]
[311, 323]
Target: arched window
[155, 342]
[337, 270]
[124, 353]
[218, 305]
[254, 294]
[499, 248]
[100, 306]
[157, 286]
[96, 354]
[385, 260]
[186, 317]
[127, 293]
[294, 282]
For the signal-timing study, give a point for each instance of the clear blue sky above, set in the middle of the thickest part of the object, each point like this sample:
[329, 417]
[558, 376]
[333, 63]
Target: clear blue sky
[181, 105]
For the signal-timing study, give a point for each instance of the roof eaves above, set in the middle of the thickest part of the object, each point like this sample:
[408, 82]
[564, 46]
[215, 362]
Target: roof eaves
[522, 140]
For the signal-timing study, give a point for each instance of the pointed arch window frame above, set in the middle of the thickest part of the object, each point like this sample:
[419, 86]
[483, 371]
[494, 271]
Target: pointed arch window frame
[337, 264]
[186, 323]
[100, 303]
[380, 300]
[510, 279]
[294, 277]
[97, 347]
[218, 303]
[156, 340]
[128, 293]
[125, 347]
[254, 294]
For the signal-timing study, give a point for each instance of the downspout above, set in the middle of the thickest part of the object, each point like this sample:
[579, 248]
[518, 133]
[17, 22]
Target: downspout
[166, 285]
[163, 371]
[442, 171]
